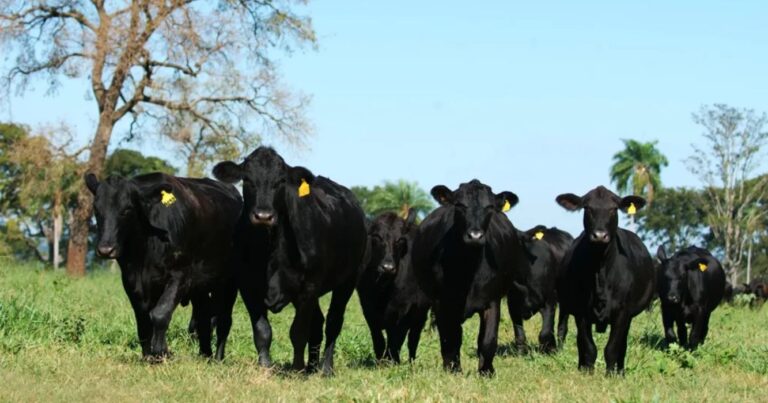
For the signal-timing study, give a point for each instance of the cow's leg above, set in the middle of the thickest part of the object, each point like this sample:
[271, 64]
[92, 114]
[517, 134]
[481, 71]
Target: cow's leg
[377, 335]
[300, 332]
[192, 326]
[414, 334]
[339, 300]
[395, 339]
[562, 326]
[547, 342]
[668, 319]
[315, 337]
[160, 316]
[585, 344]
[262, 331]
[488, 338]
[449, 328]
[201, 316]
[143, 324]
[682, 331]
[616, 348]
[699, 329]
[521, 343]
[225, 298]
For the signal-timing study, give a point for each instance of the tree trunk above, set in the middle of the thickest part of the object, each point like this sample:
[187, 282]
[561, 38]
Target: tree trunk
[749, 262]
[78, 238]
[57, 224]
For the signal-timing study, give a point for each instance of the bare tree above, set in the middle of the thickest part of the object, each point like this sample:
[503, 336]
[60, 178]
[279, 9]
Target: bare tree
[150, 59]
[725, 162]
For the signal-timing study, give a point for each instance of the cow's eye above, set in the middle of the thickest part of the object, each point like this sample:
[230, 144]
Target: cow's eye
[126, 212]
[376, 238]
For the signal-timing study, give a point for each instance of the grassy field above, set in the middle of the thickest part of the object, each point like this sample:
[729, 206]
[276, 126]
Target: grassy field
[74, 340]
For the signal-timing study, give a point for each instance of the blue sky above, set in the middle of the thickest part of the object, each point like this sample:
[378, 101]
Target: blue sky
[530, 97]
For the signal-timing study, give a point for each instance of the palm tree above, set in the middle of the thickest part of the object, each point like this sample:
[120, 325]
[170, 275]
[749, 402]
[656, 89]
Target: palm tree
[638, 168]
[400, 197]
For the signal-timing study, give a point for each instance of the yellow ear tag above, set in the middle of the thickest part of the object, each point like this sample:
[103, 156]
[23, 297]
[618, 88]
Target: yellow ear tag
[702, 267]
[539, 235]
[632, 210]
[303, 188]
[167, 198]
[506, 206]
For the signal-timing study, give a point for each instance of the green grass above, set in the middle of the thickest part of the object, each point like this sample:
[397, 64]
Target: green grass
[74, 340]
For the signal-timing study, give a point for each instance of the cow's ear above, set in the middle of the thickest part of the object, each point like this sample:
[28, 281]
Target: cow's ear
[536, 232]
[631, 204]
[228, 172]
[302, 178]
[661, 253]
[442, 195]
[506, 200]
[570, 201]
[700, 264]
[298, 174]
[156, 202]
[410, 220]
[92, 182]
[159, 193]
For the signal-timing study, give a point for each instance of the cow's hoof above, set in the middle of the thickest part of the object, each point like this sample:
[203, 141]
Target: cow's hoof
[548, 348]
[452, 368]
[155, 358]
[487, 372]
[587, 369]
[265, 362]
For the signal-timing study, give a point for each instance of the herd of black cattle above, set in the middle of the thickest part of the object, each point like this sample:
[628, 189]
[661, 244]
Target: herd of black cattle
[294, 237]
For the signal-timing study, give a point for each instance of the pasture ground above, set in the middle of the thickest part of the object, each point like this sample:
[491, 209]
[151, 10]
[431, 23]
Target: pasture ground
[74, 340]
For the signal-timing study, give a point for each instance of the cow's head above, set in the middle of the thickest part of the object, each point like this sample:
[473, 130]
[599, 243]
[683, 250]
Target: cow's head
[266, 179]
[674, 273]
[388, 236]
[601, 219]
[121, 207]
[473, 204]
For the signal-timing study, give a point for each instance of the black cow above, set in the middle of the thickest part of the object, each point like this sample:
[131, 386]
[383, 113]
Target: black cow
[466, 254]
[546, 248]
[691, 285]
[388, 289]
[172, 238]
[311, 234]
[759, 288]
[608, 275]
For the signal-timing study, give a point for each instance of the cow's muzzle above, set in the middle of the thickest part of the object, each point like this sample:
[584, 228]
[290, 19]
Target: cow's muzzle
[263, 217]
[107, 251]
[474, 237]
[600, 237]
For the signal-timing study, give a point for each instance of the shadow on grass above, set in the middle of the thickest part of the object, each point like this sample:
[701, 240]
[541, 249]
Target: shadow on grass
[367, 362]
[653, 341]
[513, 350]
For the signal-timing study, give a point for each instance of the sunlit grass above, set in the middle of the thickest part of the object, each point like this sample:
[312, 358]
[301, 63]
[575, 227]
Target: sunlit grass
[64, 339]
